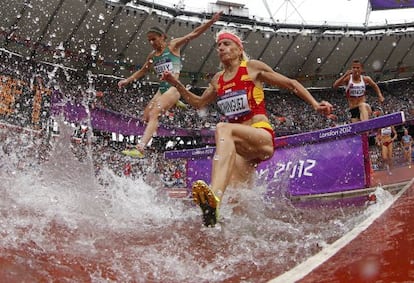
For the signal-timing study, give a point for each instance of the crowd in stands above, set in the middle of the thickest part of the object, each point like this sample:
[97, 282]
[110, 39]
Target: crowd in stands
[21, 78]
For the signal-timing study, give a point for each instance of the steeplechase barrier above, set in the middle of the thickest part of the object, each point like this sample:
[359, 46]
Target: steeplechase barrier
[325, 161]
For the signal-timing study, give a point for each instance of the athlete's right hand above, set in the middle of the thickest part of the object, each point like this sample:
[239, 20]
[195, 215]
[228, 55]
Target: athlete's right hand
[122, 83]
[169, 78]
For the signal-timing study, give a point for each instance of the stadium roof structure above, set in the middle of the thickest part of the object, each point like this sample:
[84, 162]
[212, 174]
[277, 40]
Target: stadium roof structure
[109, 37]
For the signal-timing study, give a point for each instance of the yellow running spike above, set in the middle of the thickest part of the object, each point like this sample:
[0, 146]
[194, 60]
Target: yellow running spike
[208, 202]
[133, 153]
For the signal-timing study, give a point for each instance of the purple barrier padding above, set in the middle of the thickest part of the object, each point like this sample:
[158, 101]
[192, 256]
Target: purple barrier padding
[198, 169]
[101, 119]
[308, 169]
[200, 153]
[110, 121]
[388, 4]
[341, 131]
[330, 166]
[311, 137]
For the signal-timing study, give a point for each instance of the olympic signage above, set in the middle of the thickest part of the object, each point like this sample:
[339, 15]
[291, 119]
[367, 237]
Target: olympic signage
[316, 168]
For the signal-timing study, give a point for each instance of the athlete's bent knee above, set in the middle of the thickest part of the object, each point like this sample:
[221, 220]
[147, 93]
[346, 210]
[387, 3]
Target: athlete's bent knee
[222, 127]
[154, 113]
[222, 130]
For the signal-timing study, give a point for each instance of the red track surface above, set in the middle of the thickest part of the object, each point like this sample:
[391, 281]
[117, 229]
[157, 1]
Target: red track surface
[399, 174]
[384, 252]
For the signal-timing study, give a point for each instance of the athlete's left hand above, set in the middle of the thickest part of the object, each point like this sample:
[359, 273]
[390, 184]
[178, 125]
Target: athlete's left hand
[380, 98]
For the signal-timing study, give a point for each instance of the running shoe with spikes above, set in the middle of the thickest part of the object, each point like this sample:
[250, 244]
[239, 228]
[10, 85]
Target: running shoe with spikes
[208, 202]
[133, 153]
[181, 105]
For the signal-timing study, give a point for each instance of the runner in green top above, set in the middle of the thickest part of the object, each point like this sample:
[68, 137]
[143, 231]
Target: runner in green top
[167, 61]
[165, 56]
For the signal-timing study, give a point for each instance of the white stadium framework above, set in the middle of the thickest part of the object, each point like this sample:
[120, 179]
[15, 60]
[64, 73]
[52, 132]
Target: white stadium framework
[108, 37]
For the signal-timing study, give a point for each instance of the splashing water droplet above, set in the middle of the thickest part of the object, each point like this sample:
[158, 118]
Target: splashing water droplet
[376, 65]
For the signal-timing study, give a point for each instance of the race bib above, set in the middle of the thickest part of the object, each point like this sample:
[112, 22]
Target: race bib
[162, 66]
[386, 131]
[234, 104]
[357, 90]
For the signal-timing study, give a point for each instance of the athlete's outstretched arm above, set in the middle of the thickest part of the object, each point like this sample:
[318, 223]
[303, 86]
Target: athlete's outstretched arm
[394, 133]
[263, 73]
[376, 88]
[178, 42]
[138, 74]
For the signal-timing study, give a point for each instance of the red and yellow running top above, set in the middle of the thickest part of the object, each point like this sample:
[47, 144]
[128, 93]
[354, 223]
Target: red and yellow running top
[239, 99]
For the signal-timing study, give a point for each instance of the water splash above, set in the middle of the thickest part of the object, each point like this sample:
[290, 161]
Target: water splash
[58, 220]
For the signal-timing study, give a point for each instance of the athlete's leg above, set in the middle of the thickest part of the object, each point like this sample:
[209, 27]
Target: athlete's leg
[245, 171]
[235, 142]
[162, 103]
[407, 154]
[385, 153]
[237, 146]
[149, 106]
[390, 155]
[365, 111]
